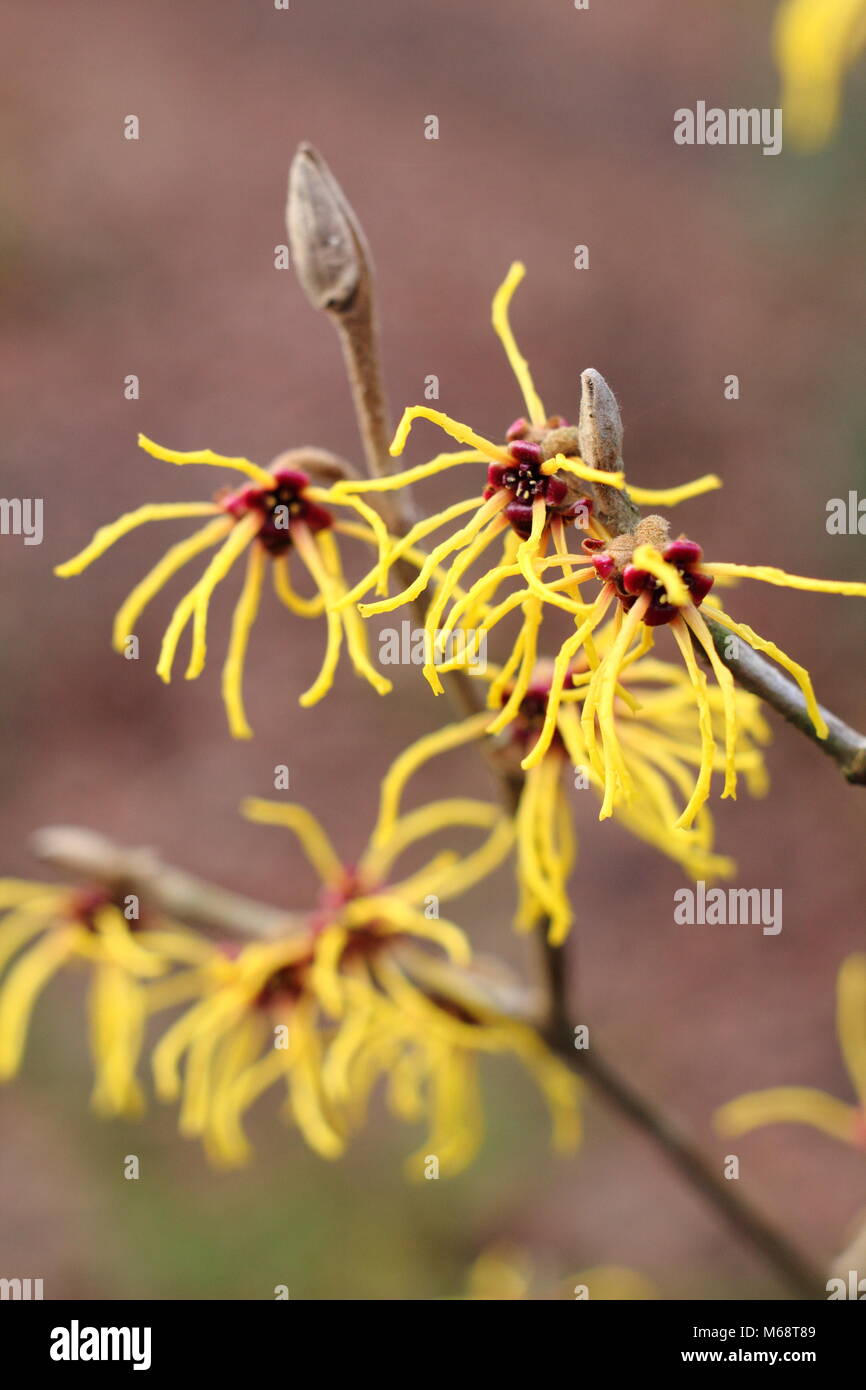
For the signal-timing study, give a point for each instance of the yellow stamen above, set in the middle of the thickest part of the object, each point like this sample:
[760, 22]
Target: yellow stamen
[21, 989]
[530, 551]
[355, 632]
[369, 514]
[173, 560]
[502, 327]
[394, 916]
[436, 608]
[532, 619]
[579, 469]
[486, 512]
[763, 644]
[296, 603]
[567, 652]
[647, 557]
[409, 761]
[408, 476]
[616, 776]
[305, 544]
[670, 496]
[106, 536]
[27, 920]
[726, 684]
[376, 863]
[314, 841]
[207, 456]
[851, 1019]
[770, 575]
[782, 1105]
[242, 621]
[404, 547]
[462, 433]
[238, 539]
[705, 724]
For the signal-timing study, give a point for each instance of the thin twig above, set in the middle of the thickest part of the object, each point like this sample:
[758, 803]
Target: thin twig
[846, 746]
[698, 1171]
[88, 856]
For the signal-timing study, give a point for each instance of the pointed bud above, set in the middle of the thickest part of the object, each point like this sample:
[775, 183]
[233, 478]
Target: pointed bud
[600, 425]
[327, 245]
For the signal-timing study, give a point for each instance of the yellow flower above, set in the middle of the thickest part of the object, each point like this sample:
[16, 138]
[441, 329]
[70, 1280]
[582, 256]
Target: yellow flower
[358, 997]
[661, 745]
[803, 1104]
[278, 514]
[504, 1273]
[85, 927]
[256, 1025]
[533, 497]
[656, 582]
[815, 42]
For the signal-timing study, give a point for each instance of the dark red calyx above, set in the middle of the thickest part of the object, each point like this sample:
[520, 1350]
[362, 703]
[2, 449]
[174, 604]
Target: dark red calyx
[526, 725]
[525, 481]
[523, 429]
[682, 552]
[281, 507]
[634, 581]
[285, 986]
[630, 581]
[605, 565]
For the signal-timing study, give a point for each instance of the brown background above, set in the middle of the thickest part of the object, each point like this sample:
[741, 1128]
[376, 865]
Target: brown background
[156, 258]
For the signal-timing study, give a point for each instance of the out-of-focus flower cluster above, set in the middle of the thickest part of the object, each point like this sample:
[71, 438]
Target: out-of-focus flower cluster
[373, 986]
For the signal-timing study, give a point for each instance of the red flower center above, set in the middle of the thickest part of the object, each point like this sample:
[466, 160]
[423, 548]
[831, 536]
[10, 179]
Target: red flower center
[524, 480]
[630, 581]
[281, 507]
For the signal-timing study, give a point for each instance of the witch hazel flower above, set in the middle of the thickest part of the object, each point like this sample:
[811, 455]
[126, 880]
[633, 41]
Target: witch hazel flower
[654, 582]
[281, 519]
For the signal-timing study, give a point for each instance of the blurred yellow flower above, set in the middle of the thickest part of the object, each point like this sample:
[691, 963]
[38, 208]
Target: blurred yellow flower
[84, 927]
[804, 1104]
[358, 997]
[814, 43]
[505, 1273]
[661, 747]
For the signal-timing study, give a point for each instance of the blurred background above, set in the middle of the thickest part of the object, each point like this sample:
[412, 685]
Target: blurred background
[156, 258]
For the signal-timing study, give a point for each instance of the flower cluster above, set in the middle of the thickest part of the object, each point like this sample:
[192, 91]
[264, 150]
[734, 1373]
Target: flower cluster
[538, 492]
[372, 986]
